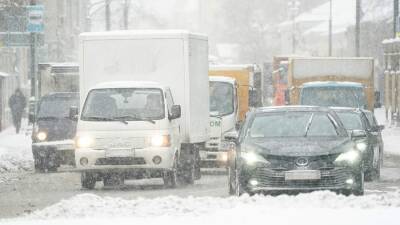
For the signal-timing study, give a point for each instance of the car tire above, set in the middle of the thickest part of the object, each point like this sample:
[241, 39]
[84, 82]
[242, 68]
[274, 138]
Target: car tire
[359, 190]
[170, 177]
[88, 180]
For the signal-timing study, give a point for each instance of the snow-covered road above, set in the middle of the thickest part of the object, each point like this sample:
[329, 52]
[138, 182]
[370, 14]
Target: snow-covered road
[56, 198]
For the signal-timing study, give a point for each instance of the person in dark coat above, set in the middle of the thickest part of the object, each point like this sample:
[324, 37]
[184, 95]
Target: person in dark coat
[17, 103]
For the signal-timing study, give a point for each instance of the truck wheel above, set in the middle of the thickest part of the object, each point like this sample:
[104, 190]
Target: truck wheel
[188, 175]
[231, 189]
[170, 177]
[111, 180]
[88, 180]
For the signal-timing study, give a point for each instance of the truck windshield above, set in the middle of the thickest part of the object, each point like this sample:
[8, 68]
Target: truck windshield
[333, 97]
[56, 107]
[128, 104]
[221, 98]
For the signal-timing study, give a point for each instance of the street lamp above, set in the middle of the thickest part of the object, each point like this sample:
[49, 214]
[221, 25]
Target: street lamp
[293, 6]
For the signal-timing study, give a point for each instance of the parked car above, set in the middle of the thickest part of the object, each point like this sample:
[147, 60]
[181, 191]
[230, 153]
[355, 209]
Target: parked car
[294, 148]
[371, 143]
[53, 132]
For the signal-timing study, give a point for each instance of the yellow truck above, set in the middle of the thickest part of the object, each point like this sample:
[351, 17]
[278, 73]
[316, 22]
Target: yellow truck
[234, 89]
[339, 82]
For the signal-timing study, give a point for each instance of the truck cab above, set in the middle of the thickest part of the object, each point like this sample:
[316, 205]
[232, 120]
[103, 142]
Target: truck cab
[333, 94]
[148, 141]
[223, 118]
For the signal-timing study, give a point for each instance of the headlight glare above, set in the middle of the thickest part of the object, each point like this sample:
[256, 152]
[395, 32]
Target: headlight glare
[160, 141]
[361, 146]
[350, 156]
[251, 158]
[41, 136]
[84, 142]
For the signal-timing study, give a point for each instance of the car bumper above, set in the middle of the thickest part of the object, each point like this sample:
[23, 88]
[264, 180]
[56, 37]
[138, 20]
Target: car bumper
[137, 159]
[270, 180]
[62, 151]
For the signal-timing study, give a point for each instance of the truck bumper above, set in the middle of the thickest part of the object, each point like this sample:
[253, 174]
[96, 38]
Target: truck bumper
[120, 160]
[61, 152]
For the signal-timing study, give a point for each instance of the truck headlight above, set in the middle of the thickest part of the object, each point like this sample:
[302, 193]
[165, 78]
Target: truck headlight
[41, 136]
[84, 142]
[252, 158]
[350, 156]
[362, 146]
[160, 141]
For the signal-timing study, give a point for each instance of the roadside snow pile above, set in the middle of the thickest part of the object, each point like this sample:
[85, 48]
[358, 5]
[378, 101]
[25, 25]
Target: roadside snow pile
[391, 140]
[15, 152]
[93, 206]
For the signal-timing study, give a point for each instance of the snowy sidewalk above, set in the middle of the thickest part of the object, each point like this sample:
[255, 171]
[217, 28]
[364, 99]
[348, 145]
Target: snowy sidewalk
[15, 151]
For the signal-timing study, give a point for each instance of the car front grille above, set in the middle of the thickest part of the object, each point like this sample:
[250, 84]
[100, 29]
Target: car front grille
[120, 161]
[276, 179]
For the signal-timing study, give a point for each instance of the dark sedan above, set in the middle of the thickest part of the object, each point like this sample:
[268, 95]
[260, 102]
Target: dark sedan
[370, 143]
[294, 148]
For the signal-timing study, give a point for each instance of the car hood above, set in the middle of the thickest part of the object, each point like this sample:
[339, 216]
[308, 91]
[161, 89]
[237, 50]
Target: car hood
[58, 128]
[303, 146]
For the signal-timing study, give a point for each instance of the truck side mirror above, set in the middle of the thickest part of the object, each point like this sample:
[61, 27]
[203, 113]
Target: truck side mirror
[287, 97]
[73, 113]
[231, 136]
[377, 103]
[355, 134]
[175, 112]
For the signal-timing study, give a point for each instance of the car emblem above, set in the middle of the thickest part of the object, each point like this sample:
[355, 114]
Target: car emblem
[301, 161]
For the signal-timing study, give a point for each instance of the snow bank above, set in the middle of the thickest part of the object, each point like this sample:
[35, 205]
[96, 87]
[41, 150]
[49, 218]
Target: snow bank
[15, 151]
[307, 209]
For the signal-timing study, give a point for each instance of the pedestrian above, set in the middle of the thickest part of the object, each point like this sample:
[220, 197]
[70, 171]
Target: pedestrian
[17, 103]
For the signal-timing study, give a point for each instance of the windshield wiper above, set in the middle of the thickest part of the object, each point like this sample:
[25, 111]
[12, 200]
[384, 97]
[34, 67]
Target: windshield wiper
[98, 118]
[127, 118]
[309, 124]
[48, 118]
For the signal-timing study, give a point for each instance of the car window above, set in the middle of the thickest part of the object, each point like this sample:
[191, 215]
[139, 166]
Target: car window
[351, 120]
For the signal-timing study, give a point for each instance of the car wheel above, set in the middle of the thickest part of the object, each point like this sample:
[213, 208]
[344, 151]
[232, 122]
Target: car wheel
[170, 177]
[88, 180]
[39, 165]
[359, 190]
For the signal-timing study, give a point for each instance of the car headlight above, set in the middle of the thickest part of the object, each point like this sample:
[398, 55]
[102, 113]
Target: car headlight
[252, 158]
[350, 156]
[362, 146]
[160, 141]
[41, 136]
[84, 142]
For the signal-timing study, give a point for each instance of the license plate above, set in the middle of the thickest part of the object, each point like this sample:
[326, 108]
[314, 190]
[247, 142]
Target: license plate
[120, 153]
[303, 175]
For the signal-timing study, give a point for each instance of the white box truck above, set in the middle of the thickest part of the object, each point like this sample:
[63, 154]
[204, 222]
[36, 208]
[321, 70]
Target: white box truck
[144, 106]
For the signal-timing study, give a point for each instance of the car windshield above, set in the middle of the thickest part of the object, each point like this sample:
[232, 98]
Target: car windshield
[57, 107]
[124, 103]
[351, 120]
[221, 98]
[291, 124]
[333, 97]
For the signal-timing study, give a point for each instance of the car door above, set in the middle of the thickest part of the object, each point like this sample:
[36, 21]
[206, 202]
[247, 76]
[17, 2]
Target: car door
[175, 129]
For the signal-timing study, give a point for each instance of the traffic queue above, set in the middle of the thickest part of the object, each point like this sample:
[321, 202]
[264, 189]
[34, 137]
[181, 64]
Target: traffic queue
[149, 105]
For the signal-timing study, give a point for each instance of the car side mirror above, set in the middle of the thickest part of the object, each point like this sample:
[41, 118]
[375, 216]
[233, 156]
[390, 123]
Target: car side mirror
[175, 112]
[231, 136]
[73, 113]
[377, 103]
[358, 134]
[378, 128]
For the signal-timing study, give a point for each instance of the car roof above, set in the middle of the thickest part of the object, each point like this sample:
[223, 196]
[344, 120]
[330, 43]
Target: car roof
[293, 108]
[346, 109]
[62, 95]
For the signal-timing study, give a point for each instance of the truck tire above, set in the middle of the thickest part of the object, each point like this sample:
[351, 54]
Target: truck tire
[88, 180]
[231, 189]
[170, 177]
[187, 165]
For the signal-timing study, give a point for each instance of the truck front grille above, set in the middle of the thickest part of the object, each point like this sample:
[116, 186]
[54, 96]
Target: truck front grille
[120, 161]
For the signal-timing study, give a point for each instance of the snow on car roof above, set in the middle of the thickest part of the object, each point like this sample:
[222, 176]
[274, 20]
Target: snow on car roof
[129, 34]
[222, 79]
[332, 83]
[129, 84]
[346, 109]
